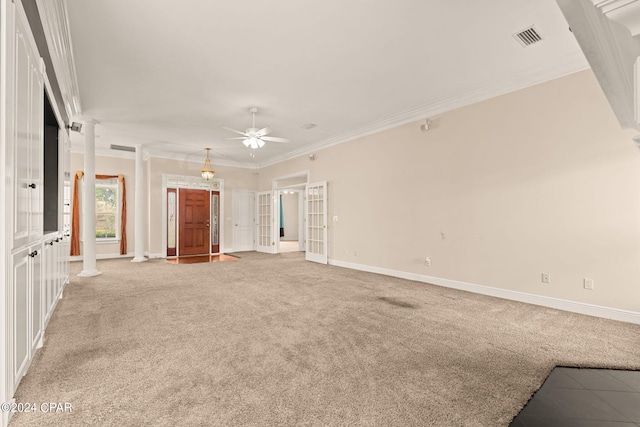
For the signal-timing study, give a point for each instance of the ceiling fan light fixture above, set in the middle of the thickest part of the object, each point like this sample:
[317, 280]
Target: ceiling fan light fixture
[253, 137]
[206, 172]
[253, 142]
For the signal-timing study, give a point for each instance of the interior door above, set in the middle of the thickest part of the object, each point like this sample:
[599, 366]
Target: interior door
[194, 222]
[265, 225]
[316, 222]
[243, 220]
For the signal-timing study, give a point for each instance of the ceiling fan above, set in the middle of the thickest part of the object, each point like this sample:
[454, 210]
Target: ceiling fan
[253, 137]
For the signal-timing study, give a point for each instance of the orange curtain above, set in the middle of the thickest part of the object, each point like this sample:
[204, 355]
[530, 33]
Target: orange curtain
[75, 215]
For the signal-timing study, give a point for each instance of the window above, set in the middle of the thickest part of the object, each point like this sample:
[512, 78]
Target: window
[107, 209]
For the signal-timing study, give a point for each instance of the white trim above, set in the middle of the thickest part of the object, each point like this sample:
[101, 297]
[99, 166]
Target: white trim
[55, 26]
[557, 303]
[7, 30]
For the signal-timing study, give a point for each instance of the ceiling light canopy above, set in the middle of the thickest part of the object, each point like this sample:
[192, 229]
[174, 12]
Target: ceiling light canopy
[207, 172]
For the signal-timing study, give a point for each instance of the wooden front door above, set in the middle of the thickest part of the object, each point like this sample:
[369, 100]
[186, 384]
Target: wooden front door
[194, 222]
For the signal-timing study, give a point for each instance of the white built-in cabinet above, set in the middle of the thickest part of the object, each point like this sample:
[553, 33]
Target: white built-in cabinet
[38, 261]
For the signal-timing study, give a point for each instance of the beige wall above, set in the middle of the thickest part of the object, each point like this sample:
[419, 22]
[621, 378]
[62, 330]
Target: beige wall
[112, 166]
[496, 193]
[154, 168]
[538, 180]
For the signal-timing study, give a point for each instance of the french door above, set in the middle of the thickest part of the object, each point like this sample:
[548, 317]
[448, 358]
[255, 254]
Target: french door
[316, 222]
[265, 237]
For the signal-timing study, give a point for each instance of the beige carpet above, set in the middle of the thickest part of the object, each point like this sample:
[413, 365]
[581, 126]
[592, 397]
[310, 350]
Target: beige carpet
[272, 340]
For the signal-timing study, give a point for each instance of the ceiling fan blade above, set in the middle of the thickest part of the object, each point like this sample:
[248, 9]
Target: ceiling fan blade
[239, 137]
[274, 139]
[236, 131]
[264, 131]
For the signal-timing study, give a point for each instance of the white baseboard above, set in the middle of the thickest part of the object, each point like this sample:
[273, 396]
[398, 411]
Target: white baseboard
[560, 304]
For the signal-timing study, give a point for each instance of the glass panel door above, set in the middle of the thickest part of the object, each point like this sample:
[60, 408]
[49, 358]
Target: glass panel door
[264, 220]
[316, 200]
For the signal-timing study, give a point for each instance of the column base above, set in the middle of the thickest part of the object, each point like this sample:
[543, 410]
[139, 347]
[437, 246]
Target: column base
[139, 259]
[89, 273]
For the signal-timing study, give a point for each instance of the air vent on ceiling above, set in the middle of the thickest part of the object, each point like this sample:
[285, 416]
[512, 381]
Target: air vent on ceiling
[308, 126]
[528, 37]
[123, 148]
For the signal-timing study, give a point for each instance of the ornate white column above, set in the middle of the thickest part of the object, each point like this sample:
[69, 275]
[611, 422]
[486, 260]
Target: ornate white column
[89, 202]
[139, 207]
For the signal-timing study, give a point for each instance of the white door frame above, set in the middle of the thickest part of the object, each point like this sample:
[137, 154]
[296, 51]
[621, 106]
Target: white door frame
[276, 186]
[299, 189]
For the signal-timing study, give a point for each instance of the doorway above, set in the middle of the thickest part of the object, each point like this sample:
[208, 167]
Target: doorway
[192, 213]
[291, 217]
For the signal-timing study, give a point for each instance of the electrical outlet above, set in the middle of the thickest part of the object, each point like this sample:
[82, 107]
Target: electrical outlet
[427, 261]
[588, 284]
[546, 278]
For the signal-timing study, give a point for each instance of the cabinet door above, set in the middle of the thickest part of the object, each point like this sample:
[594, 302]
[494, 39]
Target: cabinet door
[20, 307]
[22, 147]
[64, 259]
[48, 285]
[38, 256]
[36, 152]
[28, 106]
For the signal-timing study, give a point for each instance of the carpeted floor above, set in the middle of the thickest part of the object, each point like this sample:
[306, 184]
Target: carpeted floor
[272, 340]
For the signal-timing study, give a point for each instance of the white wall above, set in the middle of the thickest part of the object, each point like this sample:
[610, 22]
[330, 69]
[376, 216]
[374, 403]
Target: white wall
[538, 180]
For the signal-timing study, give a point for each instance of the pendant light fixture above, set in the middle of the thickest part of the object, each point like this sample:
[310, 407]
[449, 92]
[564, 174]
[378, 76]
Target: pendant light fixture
[207, 172]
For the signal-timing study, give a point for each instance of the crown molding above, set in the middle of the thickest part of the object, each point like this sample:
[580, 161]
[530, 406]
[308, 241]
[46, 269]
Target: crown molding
[533, 76]
[610, 49]
[55, 23]
[149, 154]
[625, 12]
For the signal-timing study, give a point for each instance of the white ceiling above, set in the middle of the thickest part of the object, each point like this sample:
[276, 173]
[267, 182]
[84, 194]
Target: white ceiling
[169, 74]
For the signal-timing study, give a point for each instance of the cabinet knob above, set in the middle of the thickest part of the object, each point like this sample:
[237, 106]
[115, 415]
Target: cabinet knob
[33, 254]
[51, 243]
[32, 185]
